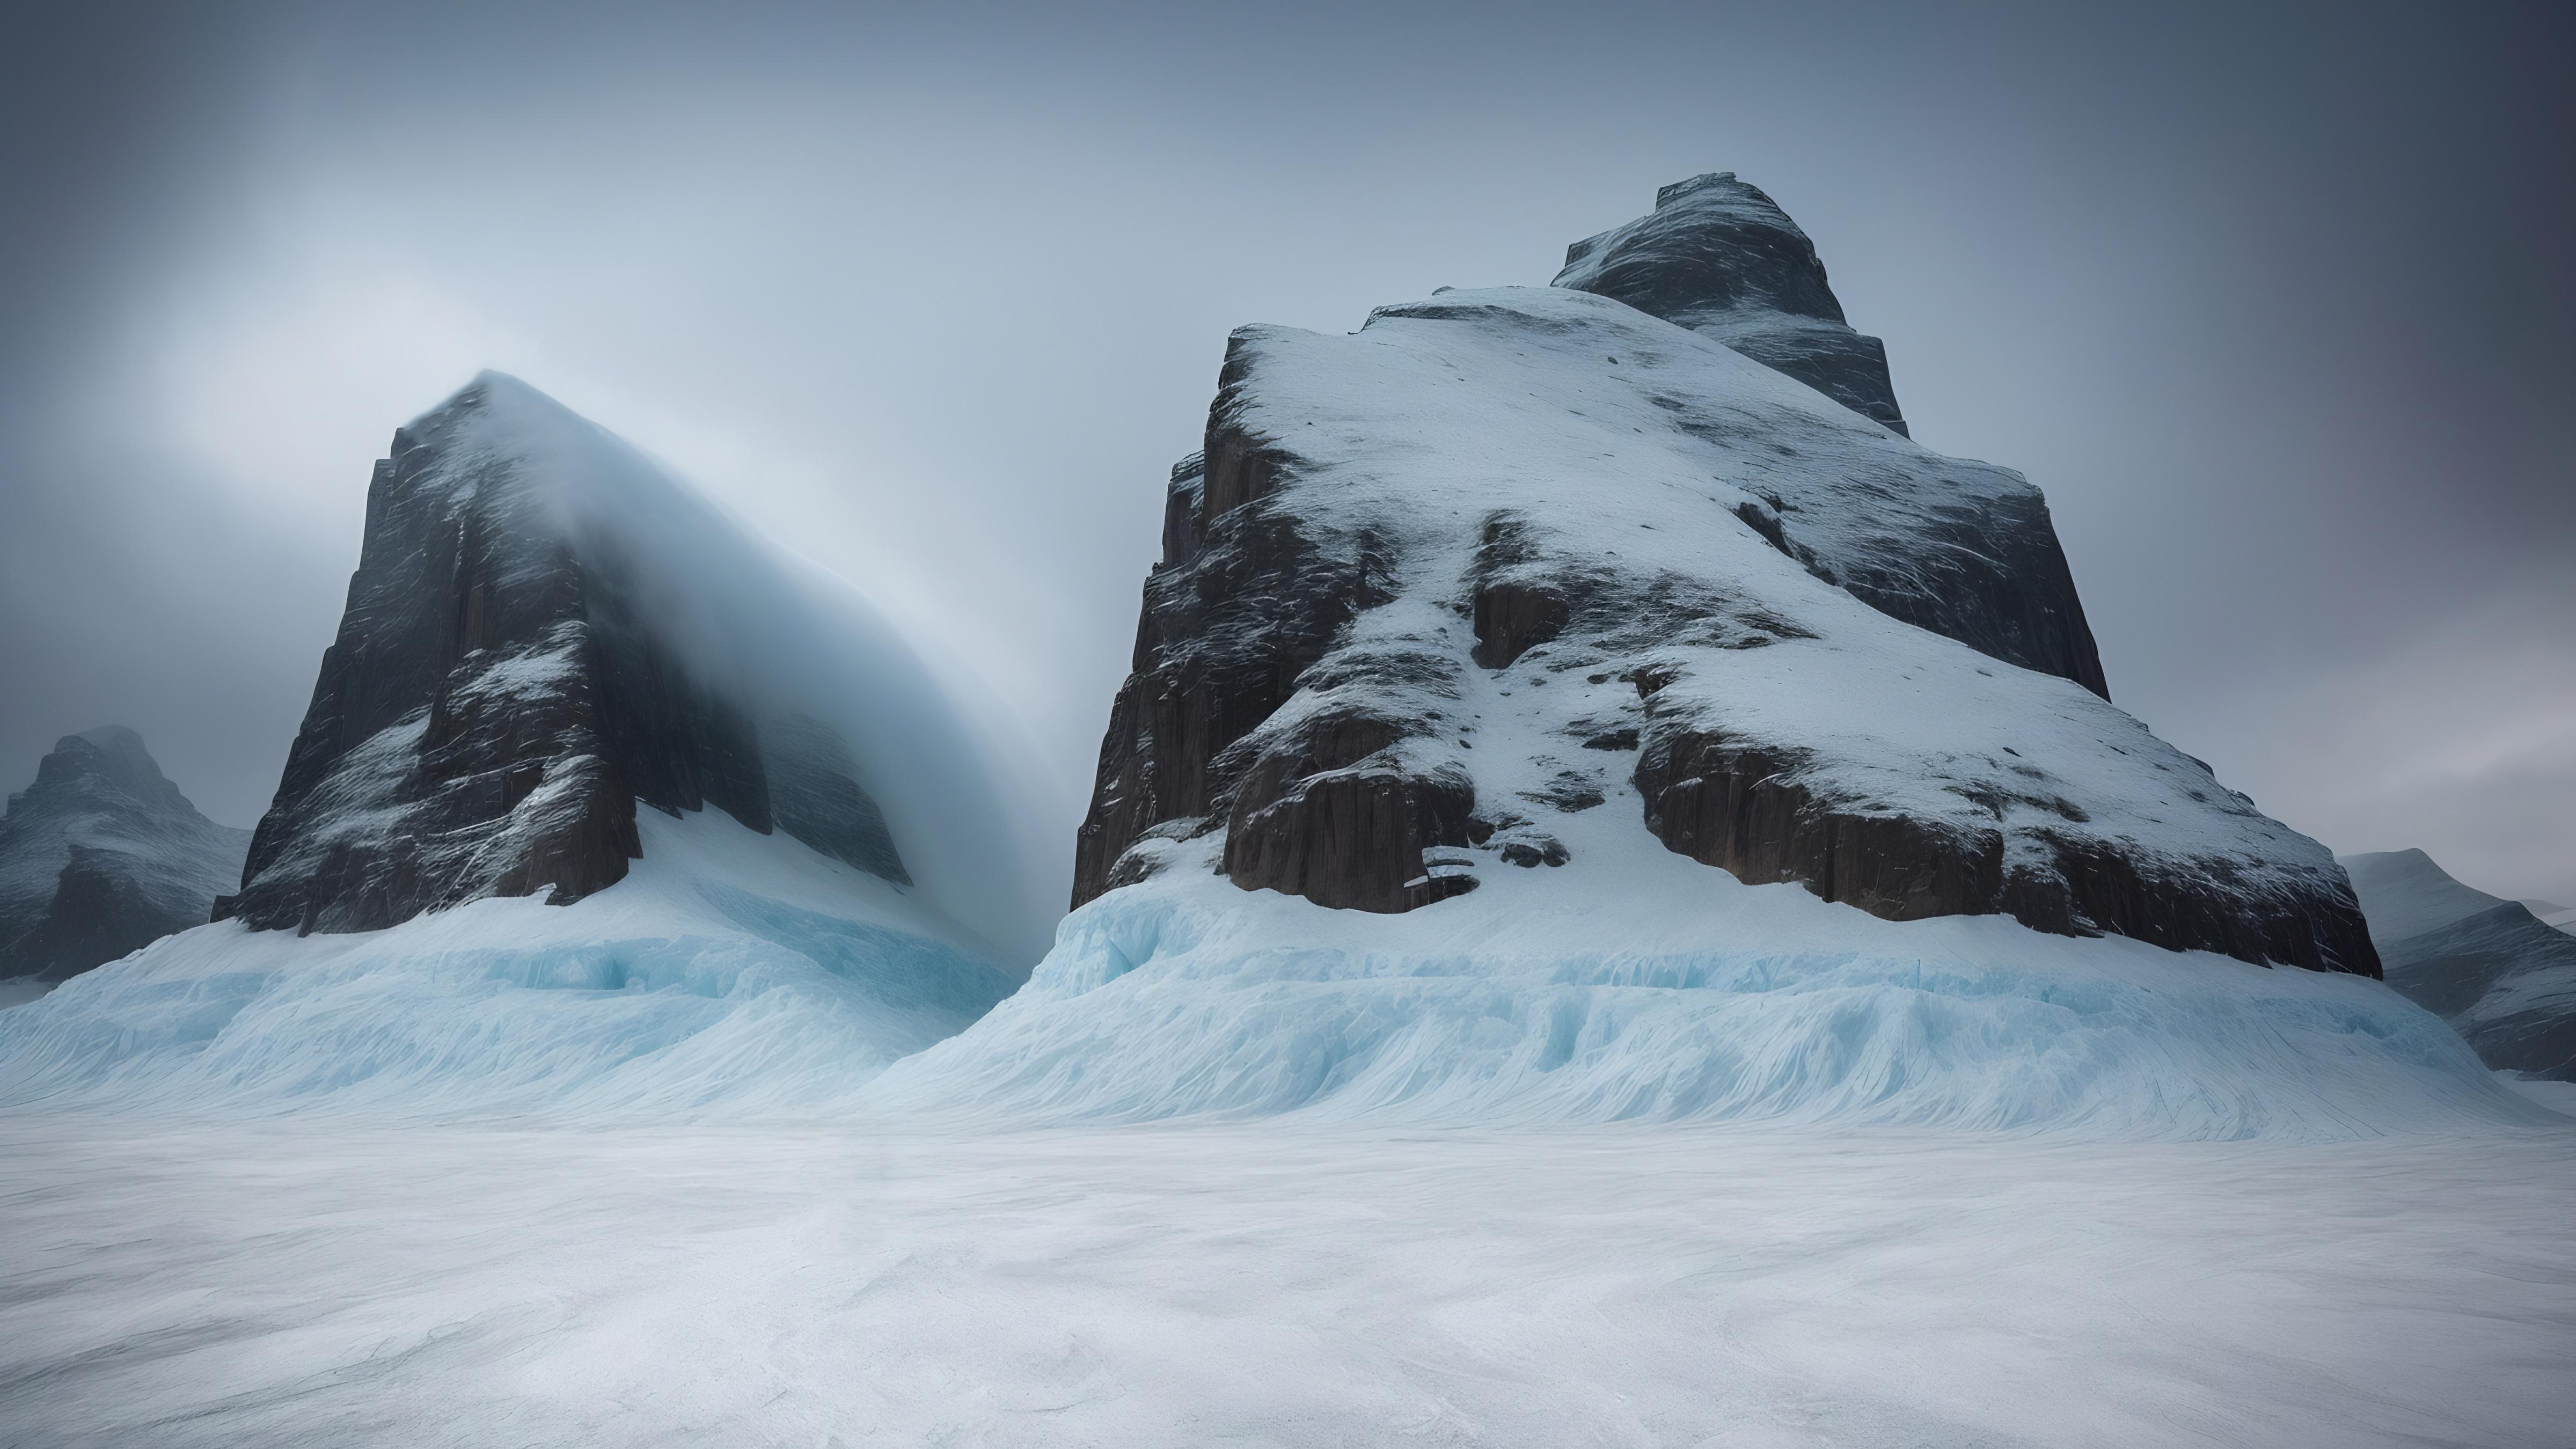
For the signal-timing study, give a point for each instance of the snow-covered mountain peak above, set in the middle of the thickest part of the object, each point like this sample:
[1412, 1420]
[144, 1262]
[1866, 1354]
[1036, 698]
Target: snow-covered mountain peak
[1504, 556]
[115, 756]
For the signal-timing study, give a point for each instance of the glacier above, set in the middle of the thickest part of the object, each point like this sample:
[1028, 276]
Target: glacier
[1650, 989]
[322, 1282]
[729, 974]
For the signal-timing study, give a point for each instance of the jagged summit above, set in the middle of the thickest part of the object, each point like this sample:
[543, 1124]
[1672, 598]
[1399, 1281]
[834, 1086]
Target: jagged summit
[1721, 258]
[103, 854]
[543, 630]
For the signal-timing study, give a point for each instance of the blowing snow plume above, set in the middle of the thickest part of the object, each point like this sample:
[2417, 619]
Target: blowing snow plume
[545, 631]
[557, 664]
[1672, 736]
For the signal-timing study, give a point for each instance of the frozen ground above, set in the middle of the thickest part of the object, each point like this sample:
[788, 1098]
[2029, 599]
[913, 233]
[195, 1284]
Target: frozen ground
[321, 1282]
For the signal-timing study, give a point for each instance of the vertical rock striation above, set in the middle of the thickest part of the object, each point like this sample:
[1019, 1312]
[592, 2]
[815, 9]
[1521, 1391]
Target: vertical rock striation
[513, 673]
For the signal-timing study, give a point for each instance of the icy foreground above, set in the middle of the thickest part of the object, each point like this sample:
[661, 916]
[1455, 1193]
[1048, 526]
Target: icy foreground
[1654, 989]
[302, 1284]
[729, 973]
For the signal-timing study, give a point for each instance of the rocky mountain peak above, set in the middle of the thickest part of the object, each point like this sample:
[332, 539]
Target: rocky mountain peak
[544, 629]
[1435, 589]
[1719, 256]
[113, 756]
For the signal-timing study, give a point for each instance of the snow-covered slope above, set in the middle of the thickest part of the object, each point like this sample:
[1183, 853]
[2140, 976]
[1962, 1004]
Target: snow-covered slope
[1466, 571]
[103, 854]
[729, 973]
[2489, 966]
[1635, 984]
[2550, 913]
[2403, 893]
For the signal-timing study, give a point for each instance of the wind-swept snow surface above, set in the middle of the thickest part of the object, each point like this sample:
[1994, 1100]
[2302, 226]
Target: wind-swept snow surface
[308, 1284]
[729, 974]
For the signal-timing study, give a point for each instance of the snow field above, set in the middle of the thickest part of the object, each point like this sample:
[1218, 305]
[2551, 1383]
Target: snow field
[1651, 987]
[320, 1283]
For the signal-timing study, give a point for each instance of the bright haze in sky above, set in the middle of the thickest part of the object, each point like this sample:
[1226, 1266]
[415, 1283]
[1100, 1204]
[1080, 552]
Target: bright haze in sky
[2273, 305]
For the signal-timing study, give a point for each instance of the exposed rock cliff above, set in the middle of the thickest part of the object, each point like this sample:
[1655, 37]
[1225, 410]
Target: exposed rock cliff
[517, 667]
[102, 855]
[1508, 554]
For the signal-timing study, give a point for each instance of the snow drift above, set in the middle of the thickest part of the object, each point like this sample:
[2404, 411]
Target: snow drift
[729, 974]
[1651, 989]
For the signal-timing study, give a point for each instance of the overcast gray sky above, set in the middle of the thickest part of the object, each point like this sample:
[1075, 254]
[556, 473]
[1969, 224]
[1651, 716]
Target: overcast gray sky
[2274, 302]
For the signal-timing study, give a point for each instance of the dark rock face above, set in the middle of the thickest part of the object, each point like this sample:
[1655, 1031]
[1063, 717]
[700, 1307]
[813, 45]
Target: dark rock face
[1735, 809]
[1720, 257]
[1742, 810]
[1243, 603]
[2498, 974]
[103, 855]
[502, 692]
[1338, 819]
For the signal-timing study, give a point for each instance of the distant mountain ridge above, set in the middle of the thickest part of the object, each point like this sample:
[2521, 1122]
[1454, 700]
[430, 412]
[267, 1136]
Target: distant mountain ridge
[102, 855]
[2489, 966]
